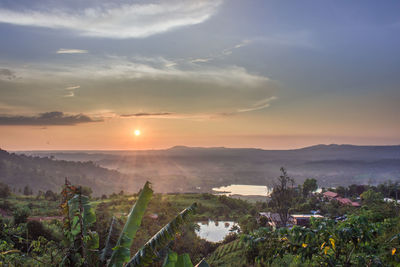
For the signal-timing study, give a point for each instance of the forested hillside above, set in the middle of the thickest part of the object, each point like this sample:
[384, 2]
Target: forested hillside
[46, 173]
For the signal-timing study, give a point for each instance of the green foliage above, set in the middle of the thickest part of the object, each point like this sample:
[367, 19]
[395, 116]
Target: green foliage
[309, 185]
[149, 251]
[20, 215]
[371, 197]
[183, 260]
[4, 190]
[230, 254]
[121, 252]
[50, 195]
[282, 196]
[354, 242]
[27, 190]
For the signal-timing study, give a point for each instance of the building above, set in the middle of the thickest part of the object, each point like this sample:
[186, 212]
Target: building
[303, 219]
[329, 195]
[274, 220]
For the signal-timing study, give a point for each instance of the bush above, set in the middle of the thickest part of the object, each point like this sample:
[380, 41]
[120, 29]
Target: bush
[4, 190]
[20, 216]
[36, 229]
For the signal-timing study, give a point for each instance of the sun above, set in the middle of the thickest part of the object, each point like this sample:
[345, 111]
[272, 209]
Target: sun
[137, 132]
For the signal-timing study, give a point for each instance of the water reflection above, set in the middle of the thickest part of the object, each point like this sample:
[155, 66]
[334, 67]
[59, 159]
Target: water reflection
[244, 190]
[214, 231]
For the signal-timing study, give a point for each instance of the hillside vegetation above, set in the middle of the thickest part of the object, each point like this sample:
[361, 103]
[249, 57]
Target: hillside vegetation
[43, 173]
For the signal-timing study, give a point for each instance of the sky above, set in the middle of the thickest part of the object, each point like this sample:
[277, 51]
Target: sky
[268, 74]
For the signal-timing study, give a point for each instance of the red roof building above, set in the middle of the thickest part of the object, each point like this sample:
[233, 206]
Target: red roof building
[330, 195]
[346, 201]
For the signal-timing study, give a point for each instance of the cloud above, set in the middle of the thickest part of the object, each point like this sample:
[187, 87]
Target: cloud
[6, 74]
[262, 104]
[73, 87]
[133, 84]
[71, 51]
[47, 119]
[259, 105]
[201, 60]
[111, 20]
[222, 54]
[69, 94]
[114, 68]
[146, 114]
[70, 90]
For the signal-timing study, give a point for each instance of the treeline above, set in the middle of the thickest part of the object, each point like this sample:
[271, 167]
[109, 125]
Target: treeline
[19, 171]
[388, 189]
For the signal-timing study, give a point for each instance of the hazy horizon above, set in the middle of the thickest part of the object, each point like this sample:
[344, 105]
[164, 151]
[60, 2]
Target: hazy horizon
[195, 147]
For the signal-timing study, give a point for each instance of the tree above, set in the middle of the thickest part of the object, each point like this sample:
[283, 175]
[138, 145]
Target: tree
[27, 190]
[342, 191]
[309, 185]
[50, 195]
[371, 197]
[282, 196]
[87, 191]
[4, 190]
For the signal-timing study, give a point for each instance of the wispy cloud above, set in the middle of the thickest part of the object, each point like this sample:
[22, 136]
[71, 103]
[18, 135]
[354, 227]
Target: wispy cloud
[262, 104]
[70, 94]
[147, 114]
[47, 119]
[222, 54]
[259, 105]
[201, 60]
[71, 90]
[229, 50]
[73, 87]
[71, 51]
[120, 68]
[118, 21]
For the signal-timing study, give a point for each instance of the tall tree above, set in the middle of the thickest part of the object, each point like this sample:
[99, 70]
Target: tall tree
[309, 185]
[282, 196]
[4, 190]
[27, 190]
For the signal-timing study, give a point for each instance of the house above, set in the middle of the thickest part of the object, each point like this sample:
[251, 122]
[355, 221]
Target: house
[346, 201]
[303, 219]
[274, 219]
[330, 195]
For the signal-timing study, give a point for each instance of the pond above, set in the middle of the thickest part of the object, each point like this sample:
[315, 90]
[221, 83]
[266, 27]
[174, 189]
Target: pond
[244, 190]
[214, 231]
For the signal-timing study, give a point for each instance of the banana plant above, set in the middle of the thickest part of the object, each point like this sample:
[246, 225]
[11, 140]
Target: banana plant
[183, 260]
[80, 216]
[122, 252]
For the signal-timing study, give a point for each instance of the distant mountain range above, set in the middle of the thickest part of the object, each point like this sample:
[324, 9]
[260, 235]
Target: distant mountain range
[183, 169]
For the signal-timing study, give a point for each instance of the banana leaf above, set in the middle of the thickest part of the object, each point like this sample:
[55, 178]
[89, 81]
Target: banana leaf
[184, 261]
[121, 253]
[202, 263]
[150, 250]
[170, 259]
[107, 250]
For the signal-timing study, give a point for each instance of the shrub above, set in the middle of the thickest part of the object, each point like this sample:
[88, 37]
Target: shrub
[20, 216]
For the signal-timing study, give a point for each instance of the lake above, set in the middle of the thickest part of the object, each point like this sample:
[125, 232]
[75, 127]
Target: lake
[244, 190]
[214, 231]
